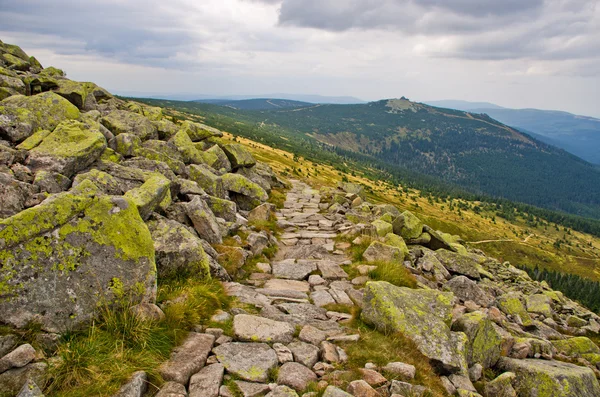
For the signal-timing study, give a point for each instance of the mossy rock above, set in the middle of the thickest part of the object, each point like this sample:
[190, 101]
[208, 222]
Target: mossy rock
[166, 128]
[207, 180]
[485, 343]
[240, 184]
[70, 148]
[16, 63]
[105, 182]
[396, 241]
[540, 304]
[466, 265]
[152, 113]
[23, 115]
[577, 346]
[73, 91]
[185, 146]
[542, 378]
[512, 305]
[127, 145]
[73, 253]
[150, 195]
[225, 209]
[238, 155]
[51, 182]
[179, 252]
[424, 316]
[198, 132]
[382, 228]
[13, 50]
[407, 225]
[15, 84]
[124, 122]
[218, 159]
[380, 252]
[176, 166]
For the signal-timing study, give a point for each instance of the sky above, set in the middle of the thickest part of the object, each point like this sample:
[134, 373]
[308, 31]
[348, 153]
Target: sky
[515, 53]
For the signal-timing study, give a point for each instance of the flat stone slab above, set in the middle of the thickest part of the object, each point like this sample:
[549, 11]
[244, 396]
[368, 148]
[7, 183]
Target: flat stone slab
[246, 294]
[292, 269]
[279, 293]
[321, 298]
[259, 329]
[331, 270]
[293, 285]
[188, 358]
[207, 382]
[249, 361]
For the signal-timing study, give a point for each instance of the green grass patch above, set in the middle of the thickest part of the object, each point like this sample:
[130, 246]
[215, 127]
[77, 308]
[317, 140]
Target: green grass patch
[277, 197]
[393, 273]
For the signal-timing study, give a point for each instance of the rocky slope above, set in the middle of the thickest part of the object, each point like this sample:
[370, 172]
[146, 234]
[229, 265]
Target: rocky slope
[102, 197]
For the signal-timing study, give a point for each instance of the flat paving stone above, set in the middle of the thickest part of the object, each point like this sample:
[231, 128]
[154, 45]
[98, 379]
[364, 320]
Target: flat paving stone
[259, 329]
[331, 270]
[293, 285]
[290, 269]
[249, 361]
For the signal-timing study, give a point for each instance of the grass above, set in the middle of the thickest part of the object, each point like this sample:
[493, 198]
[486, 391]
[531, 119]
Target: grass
[97, 362]
[277, 197]
[393, 273]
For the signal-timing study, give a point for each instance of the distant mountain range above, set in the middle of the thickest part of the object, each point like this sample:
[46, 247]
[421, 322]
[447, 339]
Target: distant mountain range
[227, 98]
[257, 104]
[579, 135]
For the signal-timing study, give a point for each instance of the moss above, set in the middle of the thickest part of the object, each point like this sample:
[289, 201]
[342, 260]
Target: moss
[511, 304]
[242, 185]
[577, 346]
[34, 140]
[110, 155]
[71, 139]
[150, 195]
[382, 227]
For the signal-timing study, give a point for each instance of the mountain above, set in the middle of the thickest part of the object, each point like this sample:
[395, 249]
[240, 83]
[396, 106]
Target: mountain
[579, 135]
[470, 150]
[257, 103]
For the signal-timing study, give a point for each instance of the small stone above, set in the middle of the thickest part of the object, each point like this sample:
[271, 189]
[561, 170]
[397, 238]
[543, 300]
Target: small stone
[135, 387]
[404, 370]
[282, 391]
[365, 269]
[461, 382]
[312, 335]
[207, 382]
[263, 267]
[188, 358]
[315, 279]
[406, 389]
[296, 376]
[147, 312]
[360, 388]
[18, 358]
[321, 368]
[333, 391]
[284, 354]
[372, 377]
[322, 298]
[217, 332]
[220, 317]
[304, 353]
[344, 338]
[172, 389]
[260, 329]
[475, 372]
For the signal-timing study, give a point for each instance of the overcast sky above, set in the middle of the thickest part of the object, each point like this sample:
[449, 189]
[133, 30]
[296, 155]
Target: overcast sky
[516, 53]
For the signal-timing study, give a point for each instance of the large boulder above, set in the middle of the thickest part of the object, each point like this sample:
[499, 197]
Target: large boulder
[247, 194]
[379, 252]
[382, 228]
[70, 148]
[189, 153]
[407, 225]
[421, 315]
[198, 132]
[150, 195]
[512, 305]
[65, 257]
[124, 122]
[466, 289]
[578, 347]
[205, 177]
[238, 155]
[485, 343]
[217, 159]
[541, 378]
[204, 220]
[466, 265]
[21, 116]
[14, 195]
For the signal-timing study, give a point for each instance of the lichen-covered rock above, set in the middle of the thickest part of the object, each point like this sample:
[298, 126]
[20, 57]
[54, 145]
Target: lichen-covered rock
[252, 195]
[204, 221]
[382, 228]
[540, 304]
[124, 122]
[51, 182]
[127, 144]
[396, 241]
[484, 341]
[107, 183]
[541, 378]
[189, 153]
[198, 132]
[578, 347]
[207, 180]
[178, 251]
[13, 380]
[466, 265]
[501, 386]
[466, 289]
[218, 159]
[136, 386]
[423, 316]
[150, 195]
[70, 253]
[512, 305]
[249, 361]
[14, 195]
[70, 148]
[222, 208]
[379, 252]
[263, 212]
[21, 116]
[238, 155]
[73, 91]
[407, 225]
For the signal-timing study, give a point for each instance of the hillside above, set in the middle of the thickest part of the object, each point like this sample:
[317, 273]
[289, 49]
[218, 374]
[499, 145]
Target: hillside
[473, 151]
[256, 104]
[579, 135]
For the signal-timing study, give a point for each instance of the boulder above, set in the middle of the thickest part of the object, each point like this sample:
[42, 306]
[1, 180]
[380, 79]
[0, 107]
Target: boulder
[188, 358]
[438, 240]
[127, 144]
[125, 122]
[484, 341]
[21, 116]
[247, 194]
[225, 209]
[55, 251]
[542, 378]
[189, 153]
[423, 316]
[379, 252]
[238, 155]
[207, 382]
[259, 329]
[13, 380]
[14, 195]
[296, 376]
[70, 148]
[150, 195]
[501, 386]
[248, 361]
[466, 265]
[512, 305]
[263, 212]
[407, 225]
[204, 220]
[405, 371]
[107, 183]
[540, 304]
[217, 159]
[578, 347]
[73, 91]
[17, 358]
[466, 289]
[198, 132]
[382, 228]
[178, 251]
[396, 241]
[51, 182]
[282, 391]
[207, 180]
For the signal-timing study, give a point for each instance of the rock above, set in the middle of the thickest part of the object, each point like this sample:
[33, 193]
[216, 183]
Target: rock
[293, 285]
[382, 228]
[172, 389]
[407, 225]
[322, 298]
[448, 386]
[7, 343]
[257, 242]
[30, 389]
[372, 377]
[189, 153]
[71, 241]
[198, 131]
[461, 382]
[207, 180]
[136, 386]
[238, 155]
[260, 329]
[12, 381]
[21, 116]
[330, 352]
[406, 389]
[222, 208]
[249, 361]
[406, 371]
[105, 182]
[14, 195]
[304, 353]
[550, 378]
[292, 269]
[397, 241]
[360, 388]
[379, 252]
[52, 182]
[282, 391]
[333, 391]
[312, 335]
[467, 290]
[466, 265]
[188, 358]
[247, 194]
[204, 221]
[578, 347]
[207, 382]
[475, 372]
[124, 122]
[296, 376]
[217, 159]
[70, 148]
[577, 322]
[540, 304]
[178, 251]
[263, 212]
[511, 305]
[284, 354]
[147, 312]
[422, 315]
[18, 358]
[501, 386]
[485, 343]
[150, 195]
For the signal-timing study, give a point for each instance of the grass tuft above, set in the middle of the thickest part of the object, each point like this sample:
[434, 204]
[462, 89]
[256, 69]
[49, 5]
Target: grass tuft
[393, 273]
